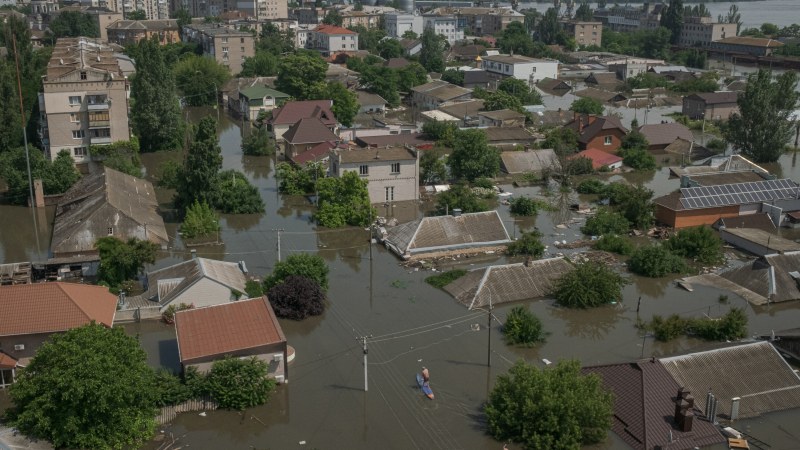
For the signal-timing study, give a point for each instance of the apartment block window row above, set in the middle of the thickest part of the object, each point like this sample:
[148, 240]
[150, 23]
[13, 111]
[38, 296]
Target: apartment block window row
[395, 168]
[363, 170]
[78, 134]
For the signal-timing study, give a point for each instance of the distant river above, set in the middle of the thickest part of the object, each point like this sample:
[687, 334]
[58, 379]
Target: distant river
[780, 12]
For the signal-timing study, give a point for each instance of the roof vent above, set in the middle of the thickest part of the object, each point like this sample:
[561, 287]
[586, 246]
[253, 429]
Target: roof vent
[456, 212]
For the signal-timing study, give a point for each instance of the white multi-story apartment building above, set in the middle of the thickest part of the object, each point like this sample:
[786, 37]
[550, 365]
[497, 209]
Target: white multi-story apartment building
[330, 39]
[446, 26]
[84, 99]
[524, 68]
[153, 9]
[397, 24]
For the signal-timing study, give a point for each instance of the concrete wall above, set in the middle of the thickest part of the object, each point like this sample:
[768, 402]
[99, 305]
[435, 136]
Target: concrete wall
[405, 184]
[264, 353]
[205, 292]
[135, 315]
[32, 342]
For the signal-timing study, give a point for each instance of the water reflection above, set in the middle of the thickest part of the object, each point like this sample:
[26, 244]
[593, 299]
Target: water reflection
[257, 167]
[593, 323]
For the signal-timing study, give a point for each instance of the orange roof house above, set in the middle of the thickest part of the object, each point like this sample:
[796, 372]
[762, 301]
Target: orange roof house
[30, 313]
[239, 329]
[600, 158]
[603, 132]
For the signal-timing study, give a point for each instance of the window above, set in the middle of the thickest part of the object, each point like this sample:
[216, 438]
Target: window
[74, 100]
[110, 231]
[241, 40]
[78, 134]
[607, 140]
[225, 49]
[242, 48]
[79, 151]
[363, 170]
[344, 45]
[83, 75]
[224, 40]
[74, 118]
[389, 193]
[395, 167]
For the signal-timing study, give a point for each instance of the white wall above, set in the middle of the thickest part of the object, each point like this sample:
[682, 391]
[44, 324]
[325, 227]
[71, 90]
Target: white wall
[205, 292]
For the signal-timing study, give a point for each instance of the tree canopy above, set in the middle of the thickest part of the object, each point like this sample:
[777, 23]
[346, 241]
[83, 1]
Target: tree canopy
[472, 156]
[589, 285]
[761, 129]
[672, 19]
[554, 408]
[237, 383]
[305, 265]
[343, 201]
[296, 298]
[201, 165]
[345, 102]
[199, 79]
[523, 328]
[72, 24]
[57, 176]
[586, 105]
[459, 196]
[89, 387]
[123, 260]
[655, 261]
[262, 64]
[528, 244]
[699, 243]
[432, 54]
[302, 75]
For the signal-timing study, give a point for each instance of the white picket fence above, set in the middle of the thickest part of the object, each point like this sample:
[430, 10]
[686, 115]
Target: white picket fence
[168, 413]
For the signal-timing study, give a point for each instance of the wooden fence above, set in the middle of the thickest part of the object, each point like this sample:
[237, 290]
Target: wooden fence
[168, 413]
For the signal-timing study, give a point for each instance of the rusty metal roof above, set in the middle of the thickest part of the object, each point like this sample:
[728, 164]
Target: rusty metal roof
[508, 283]
[754, 372]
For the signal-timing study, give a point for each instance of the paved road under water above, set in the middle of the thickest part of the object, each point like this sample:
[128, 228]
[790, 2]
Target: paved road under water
[413, 324]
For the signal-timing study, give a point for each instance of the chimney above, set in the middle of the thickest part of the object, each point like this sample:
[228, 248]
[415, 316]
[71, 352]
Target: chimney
[38, 193]
[194, 254]
[735, 408]
[456, 212]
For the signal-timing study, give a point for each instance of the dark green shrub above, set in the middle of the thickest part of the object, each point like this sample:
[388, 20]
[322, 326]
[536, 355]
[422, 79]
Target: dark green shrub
[605, 221]
[445, 278]
[522, 327]
[615, 244]
[655, 261]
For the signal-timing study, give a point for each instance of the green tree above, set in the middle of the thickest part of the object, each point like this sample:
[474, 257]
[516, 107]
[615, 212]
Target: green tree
[263, 64]
[655, 261]
[453, 76]
[390, 48]
[589, 285]
[183, 16]
[769, 29]
[549, 29]
[432, 54]
[520, 89]
[72, 24]
[200, 167]
[333, 17]
[234, 194]
[761, 128]
[432, 168]
[155, 113]
[699, 243]
[89, 387]
[672, 19]
[258, 142]
[554, 408]
[123, 260]
[524, 206]
[459, 196]
[614, 243]
[345, 102]
[274, 41]
[442, 132]
[606, 221]
[305, 265]
[344, 201]
[200, 221]
[638, 158]
[11, 133]
[733, 16]
[586, 105]
[528, 244]
[472, 157]
[56, 176]
[410, 34]
[500, 100]
[411, 76]
[298, 180]
[523, 328]
[516, 39]
[584, 12]
[137, 14]
[122, 156]
[297, 297]
[382, 81]
[633, 202]
[236, 383]
[200, 78]
[302, 75]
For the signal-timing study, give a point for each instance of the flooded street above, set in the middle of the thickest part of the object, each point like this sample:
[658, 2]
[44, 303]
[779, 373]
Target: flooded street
[412, 324]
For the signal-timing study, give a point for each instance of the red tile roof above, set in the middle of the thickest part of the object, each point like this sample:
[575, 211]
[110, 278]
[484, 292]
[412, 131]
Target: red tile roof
[222, 329]
[7, 362]
[316, 153]
[333, 29]
[291, 112]
[599, 158]
[53, 307]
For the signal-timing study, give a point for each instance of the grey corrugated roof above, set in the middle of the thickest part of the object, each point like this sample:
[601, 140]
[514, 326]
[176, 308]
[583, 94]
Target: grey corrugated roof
[508, 283]
[514, 162]
[443, 233]
[755, 372]
[767, 239]
[166, 284]
[665, 133]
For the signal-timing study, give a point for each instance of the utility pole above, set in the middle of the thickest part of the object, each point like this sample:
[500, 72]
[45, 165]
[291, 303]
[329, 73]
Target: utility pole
[489, 332]
[363, 340]
[279, 241]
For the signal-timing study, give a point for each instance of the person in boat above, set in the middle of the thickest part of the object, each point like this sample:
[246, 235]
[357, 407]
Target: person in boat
[426, 377]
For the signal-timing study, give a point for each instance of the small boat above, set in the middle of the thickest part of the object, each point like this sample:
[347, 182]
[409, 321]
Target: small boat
[426, 389]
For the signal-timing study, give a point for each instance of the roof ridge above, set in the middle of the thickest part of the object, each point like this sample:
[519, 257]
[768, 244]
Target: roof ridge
[72, 300]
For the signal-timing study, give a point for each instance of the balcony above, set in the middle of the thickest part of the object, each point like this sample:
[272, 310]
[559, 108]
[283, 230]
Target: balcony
[97, 140]
[98, 102]
[104, 106]
[99, 123]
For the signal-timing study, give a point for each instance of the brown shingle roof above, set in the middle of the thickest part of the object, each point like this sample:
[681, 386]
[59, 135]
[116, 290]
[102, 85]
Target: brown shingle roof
[333, 29]
[356, 155]
[759, 221]
[291, 112]
[309, 130]
[752, 41]
[393, 139]
[593, 129]
[217, 330]
[665, 133]
[755, 372]
[53, 307]
[716, 98]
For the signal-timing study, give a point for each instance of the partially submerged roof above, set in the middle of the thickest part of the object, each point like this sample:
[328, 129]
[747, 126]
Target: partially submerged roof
[754, 372]
[445, 233]
[644, 407]
[665, 133]
[598, 124]
[719, 164]
[599, 158]
[600, 95]
[769, 240]
[43, 308]
[85, 211]
[508, 283]
[222, 329]
[514, 162]
[166, 284]
[760, 221]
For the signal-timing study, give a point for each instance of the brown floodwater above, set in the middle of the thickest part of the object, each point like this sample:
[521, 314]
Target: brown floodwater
[413, 324]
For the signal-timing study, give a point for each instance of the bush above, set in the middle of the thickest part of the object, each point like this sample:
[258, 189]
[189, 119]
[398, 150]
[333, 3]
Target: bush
[638, 159]
[591, 186]
[170, 390]
[528, 244]
[200, 221]
[731, 326]
[484, 182]
[579, 166]
[522, 327]
[667, 329]
[169, 176]
[304, 264]
[445, 278]
[605, 221]
[296, 298]
[253, 289]
[717, 146]
[655, 261]
[699, 243]
[168, 316]
[588, 285]
[235, 195]
[344, 201]
[459, 196]
[298, 180]
[524, 206]
[239, 383]
[258, 143]
[615, 244]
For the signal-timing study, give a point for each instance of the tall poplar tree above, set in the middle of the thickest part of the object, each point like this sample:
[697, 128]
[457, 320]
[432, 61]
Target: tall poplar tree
[203, 162]
[432, 54]
[155, 113]
[672, 19]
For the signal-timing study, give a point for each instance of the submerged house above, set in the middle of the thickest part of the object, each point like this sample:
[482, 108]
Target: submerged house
[106, 203]
[439, 235]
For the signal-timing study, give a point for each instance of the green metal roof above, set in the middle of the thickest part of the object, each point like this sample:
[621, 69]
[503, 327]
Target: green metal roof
[259, 92]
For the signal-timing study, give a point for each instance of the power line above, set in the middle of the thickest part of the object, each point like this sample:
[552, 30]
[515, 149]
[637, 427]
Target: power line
[472, 315]
[426, 331]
